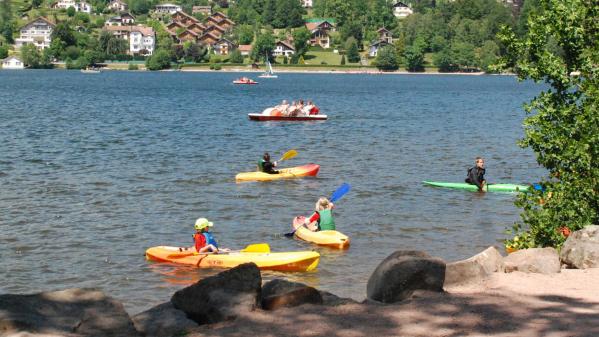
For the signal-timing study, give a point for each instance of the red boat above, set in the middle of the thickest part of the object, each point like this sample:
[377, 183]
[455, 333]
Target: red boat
[244, 80]
[264, 117]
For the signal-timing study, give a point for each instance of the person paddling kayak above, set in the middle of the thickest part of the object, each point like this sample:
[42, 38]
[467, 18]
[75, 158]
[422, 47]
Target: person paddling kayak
[203, 241]
[322, 218]
[266, 166]
[476, 174]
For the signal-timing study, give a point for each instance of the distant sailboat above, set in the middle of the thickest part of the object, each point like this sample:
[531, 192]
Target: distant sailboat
[269, 73]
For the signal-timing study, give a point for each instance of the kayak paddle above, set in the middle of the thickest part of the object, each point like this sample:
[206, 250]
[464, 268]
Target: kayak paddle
[288, 155]
[253, 248]
[338, 194]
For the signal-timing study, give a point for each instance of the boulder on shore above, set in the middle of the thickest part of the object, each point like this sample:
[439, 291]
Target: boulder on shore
[474, 269]
[71, 312]
[280, 293]
[581, 249]
[222, 296]
[403, 272]
[163, 320]
[533, 260]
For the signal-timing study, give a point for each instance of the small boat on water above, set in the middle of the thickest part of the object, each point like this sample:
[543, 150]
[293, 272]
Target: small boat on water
[244, 80]
[273, 114]
[269, 73]
[505, 188]
[327, 238]
[308, 170]
[91, 71]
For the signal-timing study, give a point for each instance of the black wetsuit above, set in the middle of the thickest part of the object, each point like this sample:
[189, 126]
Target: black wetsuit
[476, 176]
[269, 167]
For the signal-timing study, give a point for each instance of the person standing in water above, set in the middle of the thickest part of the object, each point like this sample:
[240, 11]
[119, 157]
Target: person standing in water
[266, 165]
[476, 174]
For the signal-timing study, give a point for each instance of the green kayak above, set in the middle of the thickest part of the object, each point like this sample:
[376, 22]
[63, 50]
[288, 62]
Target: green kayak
[487, 188]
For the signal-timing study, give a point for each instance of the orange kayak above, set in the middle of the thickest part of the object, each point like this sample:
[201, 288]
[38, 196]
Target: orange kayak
[309, 170]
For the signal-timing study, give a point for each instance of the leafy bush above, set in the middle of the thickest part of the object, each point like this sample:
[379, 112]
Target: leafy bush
[562, 123]
[217, 66]
[342, 60]
[236, 57]
[387, 59]
[161, 59]
[3, 52]
[133, 66]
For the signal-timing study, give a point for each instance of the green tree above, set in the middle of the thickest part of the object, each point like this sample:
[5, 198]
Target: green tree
[562, 123]
[300, 41]
[414, 58]
[264, 45]
[3, 52]
[139, 6]
[71, 52]
[351, 49]
[161, 59]
[342, 60]
[443, 60]
[236, 57]
[71, 12]
[244, 33]
[463, 55]
[488, 55]
[387, 59]
[64, 32]
[30, 56]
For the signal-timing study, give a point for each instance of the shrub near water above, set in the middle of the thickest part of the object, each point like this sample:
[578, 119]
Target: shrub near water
[563, 122]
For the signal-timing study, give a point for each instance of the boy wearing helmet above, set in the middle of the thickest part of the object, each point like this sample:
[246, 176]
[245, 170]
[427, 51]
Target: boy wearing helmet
[203, 240]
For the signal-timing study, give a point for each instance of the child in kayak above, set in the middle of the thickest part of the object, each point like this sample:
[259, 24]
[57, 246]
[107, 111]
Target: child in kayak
[476, 174]
[203, 240]
[322, 218]
[266, 166]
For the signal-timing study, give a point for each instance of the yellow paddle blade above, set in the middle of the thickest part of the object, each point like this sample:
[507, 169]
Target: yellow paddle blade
[288, 155]
[257, 248]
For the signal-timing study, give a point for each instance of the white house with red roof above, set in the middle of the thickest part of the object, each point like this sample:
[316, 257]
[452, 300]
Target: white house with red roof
[142, 39]
[37, 32]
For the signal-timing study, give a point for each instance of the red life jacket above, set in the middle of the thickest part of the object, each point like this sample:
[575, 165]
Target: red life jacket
[314, 111]
[199, 241]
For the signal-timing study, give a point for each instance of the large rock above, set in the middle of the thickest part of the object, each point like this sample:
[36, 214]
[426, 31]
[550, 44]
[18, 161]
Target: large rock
[282, 293]
[533, 260]
[333, 300]
[474, 269]
[81, 312]
[163, 320]
[403, 272]
[581, 249]
[221, 297]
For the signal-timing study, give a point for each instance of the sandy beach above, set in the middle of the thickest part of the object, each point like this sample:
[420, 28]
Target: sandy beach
[515, 304]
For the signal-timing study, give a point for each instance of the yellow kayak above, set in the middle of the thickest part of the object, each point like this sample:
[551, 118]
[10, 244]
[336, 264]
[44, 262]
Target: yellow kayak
[288, 173]
[288, 261]
[332, 239]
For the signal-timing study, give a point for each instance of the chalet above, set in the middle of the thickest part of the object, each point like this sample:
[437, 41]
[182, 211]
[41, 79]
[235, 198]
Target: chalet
[208, 39]
[375, 46]
[118, 6]
[319, 33]
[218, 15]
[245, 49]
[216, 30]
[183, 18]
[211, 20]
[37, 32]
[127, 18]
[167, 8]
[206, 10]
[226, 23]
[401, 10]
[141, 39]
[283, 48]
[188, 35]
[223, 47]
[174, 26]
[197, 27]
[80, 6]
[12, 62]
[385, 35]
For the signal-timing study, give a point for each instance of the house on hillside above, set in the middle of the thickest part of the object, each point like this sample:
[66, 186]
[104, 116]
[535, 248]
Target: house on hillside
[118, 6]
[80, 6]
[12, 62]
[208, 39]
[37, 32]
[121, 20]
[319, 33]
[375, 46]
[216, 30]
[385, 35]
[226, 23]
[307, 3]
[206, 10]
[245, 49]
[223, 47]
[197, 27]
[283, 48]
[183, 18]
[188, 35]
[401, 10]
[167, 9]
[142, 39]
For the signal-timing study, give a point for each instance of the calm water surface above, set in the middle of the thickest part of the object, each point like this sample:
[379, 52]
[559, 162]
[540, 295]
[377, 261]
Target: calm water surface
[94, 169]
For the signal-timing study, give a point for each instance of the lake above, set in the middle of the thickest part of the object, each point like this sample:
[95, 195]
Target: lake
[94, 169]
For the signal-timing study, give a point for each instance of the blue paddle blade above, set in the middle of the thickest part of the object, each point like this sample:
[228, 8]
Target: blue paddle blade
[538, 187]
[340, 192]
